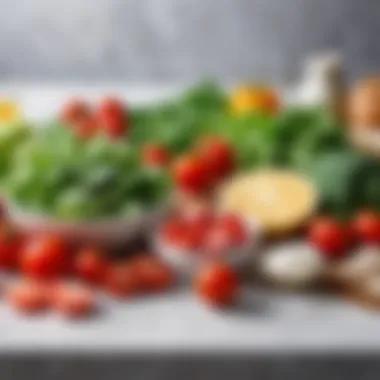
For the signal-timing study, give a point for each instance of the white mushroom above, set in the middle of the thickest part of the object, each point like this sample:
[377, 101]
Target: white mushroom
[293, 264]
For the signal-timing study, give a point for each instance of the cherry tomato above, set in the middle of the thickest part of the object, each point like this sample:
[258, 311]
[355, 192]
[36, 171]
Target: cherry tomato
[73, 301]
[201, 217]
[10, 247]
[217, 284]
[73, 111]
[217, 242]
[178, 233]
[190, 174]
[172, 230]
[121, 280]
[366, 227]
[91, 265]
[329, 236]
[44, 257]
[234, 227]
[112, 117]
[86, 127]
[152, 274]
[28, 296]
[218, 155]
[155, 155]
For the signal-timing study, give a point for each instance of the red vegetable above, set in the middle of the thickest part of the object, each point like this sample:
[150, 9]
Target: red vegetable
[86, 127]
[190, 174]
[44, 257]
[73, 300]
[217, 285]
[112, 117]
[218, 155]
[91, 265]
[234, 227]
[155, 155]
[366, 227]
[121, 280]
[217, 242]
[330, 237]
[152, 274]
[200, 217]
[28, 296]
[73, 111]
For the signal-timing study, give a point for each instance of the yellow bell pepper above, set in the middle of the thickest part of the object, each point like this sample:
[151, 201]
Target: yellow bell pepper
[249, 98]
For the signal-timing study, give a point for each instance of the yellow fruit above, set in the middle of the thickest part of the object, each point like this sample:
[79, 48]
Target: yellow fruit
[9, 110]
[281, 201]
[246, 99]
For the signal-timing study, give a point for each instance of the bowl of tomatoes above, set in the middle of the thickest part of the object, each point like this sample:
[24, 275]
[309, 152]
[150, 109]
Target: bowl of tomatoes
[190, 239]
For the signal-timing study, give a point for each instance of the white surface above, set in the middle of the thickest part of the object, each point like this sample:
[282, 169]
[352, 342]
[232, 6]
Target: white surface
[263, 321]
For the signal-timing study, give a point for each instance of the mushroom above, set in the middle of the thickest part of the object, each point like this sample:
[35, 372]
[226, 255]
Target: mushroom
[294, 264]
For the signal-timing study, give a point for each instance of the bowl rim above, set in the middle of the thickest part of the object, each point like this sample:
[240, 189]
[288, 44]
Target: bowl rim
[18, 213]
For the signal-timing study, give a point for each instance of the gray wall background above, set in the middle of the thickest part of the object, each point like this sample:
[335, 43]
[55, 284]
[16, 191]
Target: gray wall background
[171, 40]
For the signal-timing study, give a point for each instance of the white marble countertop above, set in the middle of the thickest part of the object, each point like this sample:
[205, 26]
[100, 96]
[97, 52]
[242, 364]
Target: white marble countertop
[263, 320]
[174, 322]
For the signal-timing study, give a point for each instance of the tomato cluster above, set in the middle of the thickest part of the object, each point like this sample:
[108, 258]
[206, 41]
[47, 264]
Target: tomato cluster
[57, 277]
[334, 238]
[110, 117]
[205, 232]
[200, 170]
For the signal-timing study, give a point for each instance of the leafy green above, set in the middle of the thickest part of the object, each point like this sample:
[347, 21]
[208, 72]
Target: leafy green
[56, 173]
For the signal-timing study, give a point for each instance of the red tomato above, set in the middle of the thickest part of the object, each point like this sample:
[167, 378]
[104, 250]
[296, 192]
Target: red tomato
[112, 117]
[366, 227]
[234, 227]
[152, 274]
[191, 238]
[172, 230]
[86, 127]
[217, 285]
[155, 155]
[218, 155]
[121, 280]
[201, 217]
[329, 236]
[73, 111]
[91, 265]
[44, 257]
[73, 300]
[178, 233]
[217, 242]
[10, 247]
[190, 174]
[28, 296]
